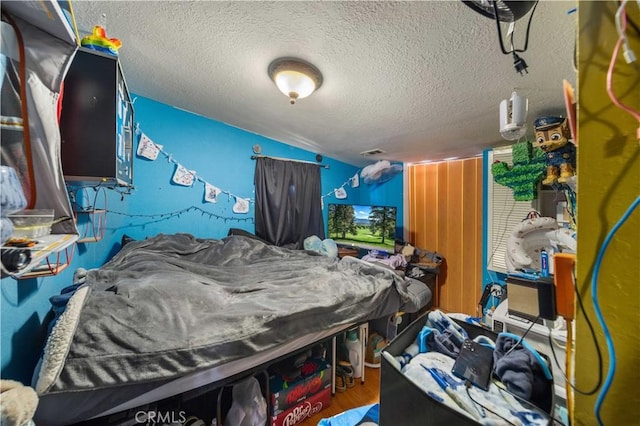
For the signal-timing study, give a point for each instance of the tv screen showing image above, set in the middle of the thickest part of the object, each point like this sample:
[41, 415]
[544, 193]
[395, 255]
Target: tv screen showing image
[369, 227]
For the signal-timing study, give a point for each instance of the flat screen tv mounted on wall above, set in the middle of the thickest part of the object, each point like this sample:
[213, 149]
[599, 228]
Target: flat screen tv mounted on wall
[367, 227]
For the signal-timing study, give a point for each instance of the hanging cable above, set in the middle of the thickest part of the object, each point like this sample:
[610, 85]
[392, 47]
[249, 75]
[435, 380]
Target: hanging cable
[518, 63]
[567, 370]
[565, 375]
[596, 306]
[484, 407]
[526, 40]
[522, 337]
[621, 17]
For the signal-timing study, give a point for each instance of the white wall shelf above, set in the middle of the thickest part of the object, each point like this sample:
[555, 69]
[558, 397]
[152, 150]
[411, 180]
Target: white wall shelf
[95, 224]
[42, 262]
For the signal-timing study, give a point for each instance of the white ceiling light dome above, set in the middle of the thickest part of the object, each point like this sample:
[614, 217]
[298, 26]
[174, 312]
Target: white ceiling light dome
[294, 77]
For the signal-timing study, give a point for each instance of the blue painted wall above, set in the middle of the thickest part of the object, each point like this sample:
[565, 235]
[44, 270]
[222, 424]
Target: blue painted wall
[25, 303]
[221, 155]
[390, 193]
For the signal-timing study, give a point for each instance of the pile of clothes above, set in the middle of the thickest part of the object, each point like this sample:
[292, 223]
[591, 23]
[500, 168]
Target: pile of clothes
[415, 260]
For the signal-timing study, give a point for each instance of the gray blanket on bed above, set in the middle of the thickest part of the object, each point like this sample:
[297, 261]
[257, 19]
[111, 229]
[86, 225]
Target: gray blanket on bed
[174, 304]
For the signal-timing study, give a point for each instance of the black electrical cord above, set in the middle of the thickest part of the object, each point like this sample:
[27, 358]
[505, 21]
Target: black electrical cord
[595, 342]
[467, 384]
[522, 337]
[526, 40]
[518, 63]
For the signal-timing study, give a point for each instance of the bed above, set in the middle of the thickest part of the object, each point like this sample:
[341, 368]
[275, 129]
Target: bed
[172, 313]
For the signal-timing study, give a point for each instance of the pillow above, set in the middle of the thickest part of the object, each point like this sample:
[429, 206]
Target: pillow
[59, 342]
[243, 233]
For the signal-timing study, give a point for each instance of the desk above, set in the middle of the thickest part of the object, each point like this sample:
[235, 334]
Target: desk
[345, 251]
[427, 275]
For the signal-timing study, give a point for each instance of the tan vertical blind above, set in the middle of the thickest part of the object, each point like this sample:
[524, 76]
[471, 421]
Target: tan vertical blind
[445, 215]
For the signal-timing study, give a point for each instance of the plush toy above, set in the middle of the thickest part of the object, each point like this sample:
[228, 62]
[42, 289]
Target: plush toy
[552, 136]
[17, 403]
[98, 41]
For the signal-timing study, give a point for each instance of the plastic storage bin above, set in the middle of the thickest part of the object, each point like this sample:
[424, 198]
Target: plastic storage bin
[404, 403]
[32, 223]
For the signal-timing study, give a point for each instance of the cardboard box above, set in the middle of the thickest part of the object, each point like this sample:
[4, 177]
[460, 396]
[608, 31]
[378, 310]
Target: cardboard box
[375, 344]
[304, 409]
[284, 394]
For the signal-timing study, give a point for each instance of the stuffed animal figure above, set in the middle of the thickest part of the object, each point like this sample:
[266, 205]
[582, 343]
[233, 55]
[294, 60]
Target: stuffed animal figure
[552, 136]
[18, 403]
[98, 41]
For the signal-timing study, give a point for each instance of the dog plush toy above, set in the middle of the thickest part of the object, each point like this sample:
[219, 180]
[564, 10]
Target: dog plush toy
[552, 136]
[18, 403]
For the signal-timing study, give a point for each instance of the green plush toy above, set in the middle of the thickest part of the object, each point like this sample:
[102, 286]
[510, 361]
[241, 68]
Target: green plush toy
[528, 167]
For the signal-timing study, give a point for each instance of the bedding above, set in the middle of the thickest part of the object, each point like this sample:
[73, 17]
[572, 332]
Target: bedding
[171, 306]
[500, 405]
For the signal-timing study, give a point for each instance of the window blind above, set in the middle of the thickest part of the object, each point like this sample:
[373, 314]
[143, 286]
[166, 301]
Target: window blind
[504, 213]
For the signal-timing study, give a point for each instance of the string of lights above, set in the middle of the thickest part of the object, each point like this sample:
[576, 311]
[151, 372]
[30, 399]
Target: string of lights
[178, 213]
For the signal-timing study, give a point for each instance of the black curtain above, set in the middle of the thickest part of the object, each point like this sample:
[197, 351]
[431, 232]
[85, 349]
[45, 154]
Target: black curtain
[288, 202]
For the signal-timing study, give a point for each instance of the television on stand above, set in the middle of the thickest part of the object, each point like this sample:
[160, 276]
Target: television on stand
[365, 227]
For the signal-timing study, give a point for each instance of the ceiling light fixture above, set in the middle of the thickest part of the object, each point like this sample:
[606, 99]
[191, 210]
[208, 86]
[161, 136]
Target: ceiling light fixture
[295, 78]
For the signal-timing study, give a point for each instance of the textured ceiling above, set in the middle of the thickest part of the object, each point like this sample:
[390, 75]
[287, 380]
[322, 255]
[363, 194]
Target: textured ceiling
[419, 80]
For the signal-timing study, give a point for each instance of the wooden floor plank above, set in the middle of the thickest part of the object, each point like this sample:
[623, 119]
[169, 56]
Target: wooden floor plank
[361, 394]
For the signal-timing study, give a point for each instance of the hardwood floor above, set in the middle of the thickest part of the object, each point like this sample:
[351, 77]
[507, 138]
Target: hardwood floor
[357, 396]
